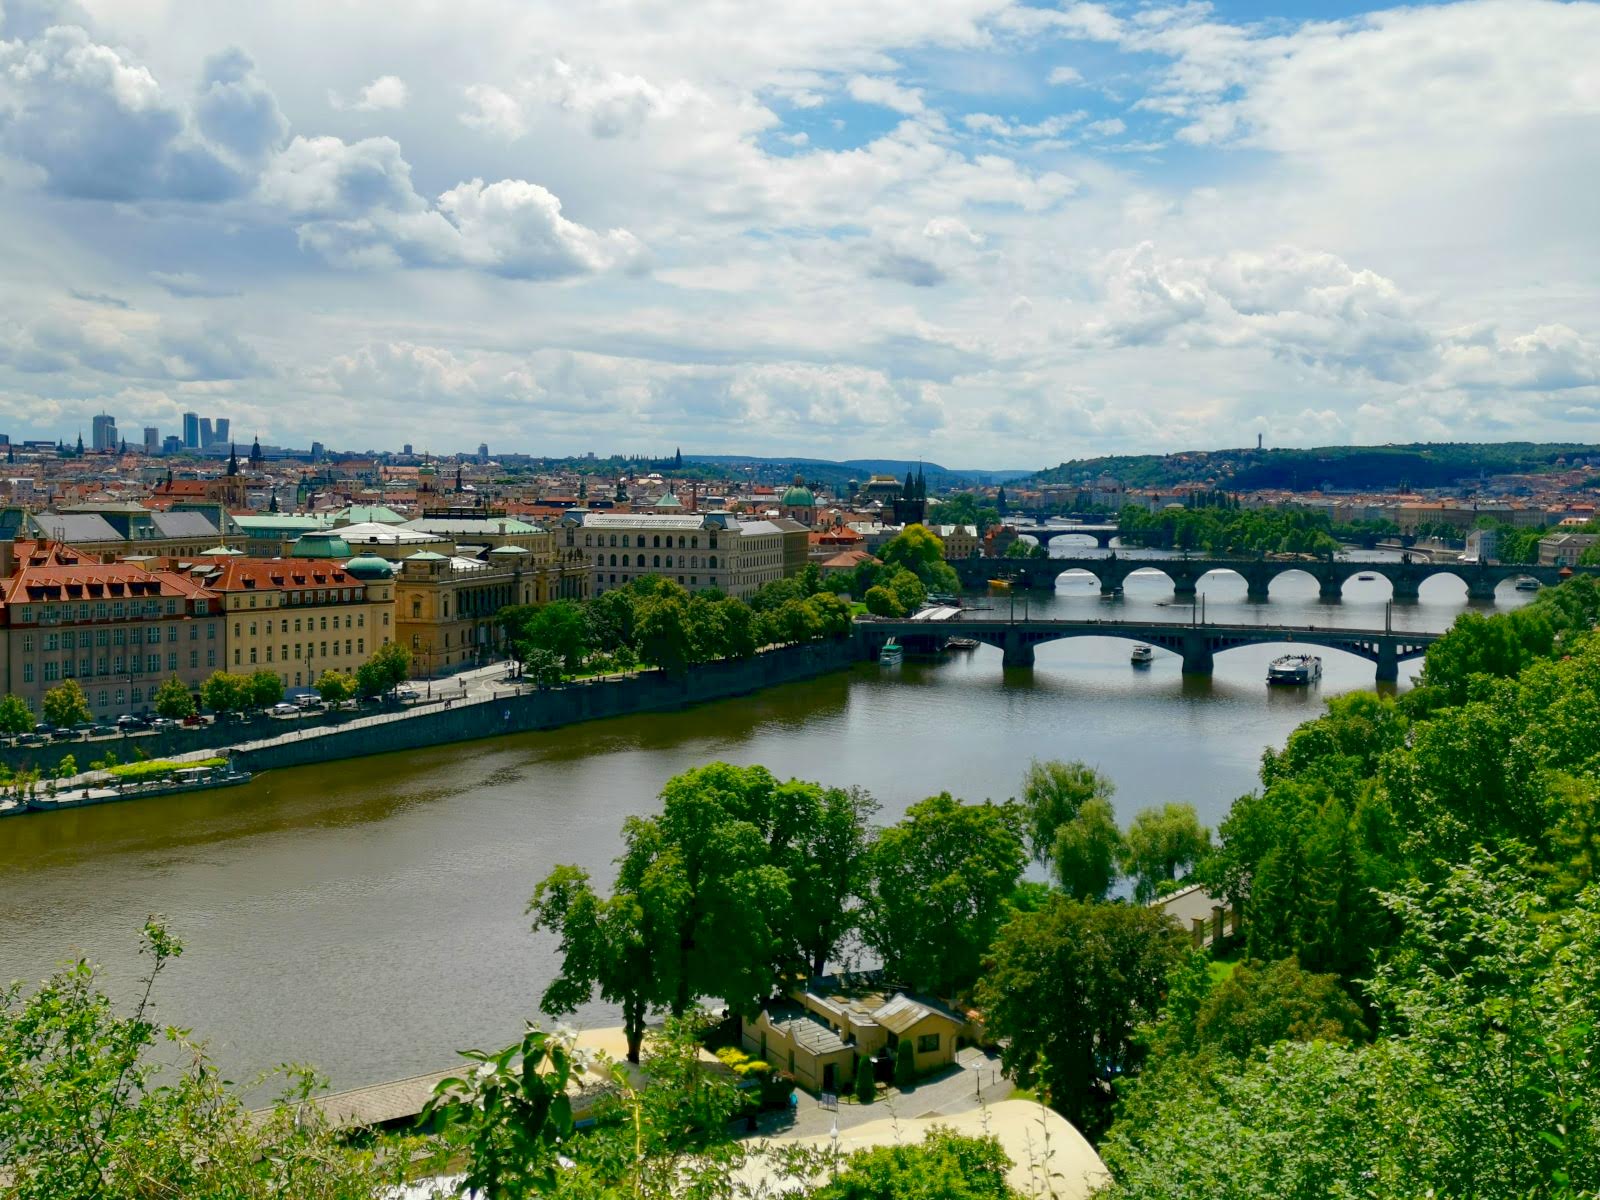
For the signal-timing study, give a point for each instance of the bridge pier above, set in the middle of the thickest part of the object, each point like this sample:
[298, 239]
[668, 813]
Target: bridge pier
[1388, 663]
[1257, 587]
[1330, 591]
[1197, 657]
[1405, 588]
[1481, 588]
[1015, 651]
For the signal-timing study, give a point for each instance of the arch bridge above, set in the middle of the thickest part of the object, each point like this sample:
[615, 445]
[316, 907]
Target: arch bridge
[1197, 644]
[1406, 578]
[1102, 534]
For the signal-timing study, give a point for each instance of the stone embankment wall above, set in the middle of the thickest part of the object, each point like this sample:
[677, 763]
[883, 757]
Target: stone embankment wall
[572, 703]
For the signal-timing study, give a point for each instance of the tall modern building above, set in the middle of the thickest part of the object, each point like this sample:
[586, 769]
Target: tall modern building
[207, 438]
[105, 432]
[152, 439]
[483, 452]
[223, 427]
[191, 431]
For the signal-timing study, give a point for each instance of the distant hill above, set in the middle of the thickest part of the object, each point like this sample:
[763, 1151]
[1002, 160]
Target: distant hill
[837, 474]
[1362, 468]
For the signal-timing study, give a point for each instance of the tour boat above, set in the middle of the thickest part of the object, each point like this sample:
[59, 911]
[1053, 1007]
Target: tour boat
[1142, 655]
[893, 653]
[1366, 577]
[1295, 670]
[1527, 585]
[961, 643]
[1000, 585]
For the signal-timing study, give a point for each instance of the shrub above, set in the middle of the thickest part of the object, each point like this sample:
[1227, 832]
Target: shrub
[866, 1089]
[905, 1065]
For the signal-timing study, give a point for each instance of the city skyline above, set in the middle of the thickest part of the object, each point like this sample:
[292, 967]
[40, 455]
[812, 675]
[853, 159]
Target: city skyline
[961, 231]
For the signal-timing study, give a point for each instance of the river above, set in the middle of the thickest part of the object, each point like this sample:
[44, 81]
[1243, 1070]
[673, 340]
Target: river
[367, 916]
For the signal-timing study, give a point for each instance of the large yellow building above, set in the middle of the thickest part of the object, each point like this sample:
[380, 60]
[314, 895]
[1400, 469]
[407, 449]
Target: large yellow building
[697, 550]
[300, 617]
[119, 630]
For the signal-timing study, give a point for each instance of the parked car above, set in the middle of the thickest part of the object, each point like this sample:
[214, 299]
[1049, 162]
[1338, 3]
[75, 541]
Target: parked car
[284, 709]
[163, 723]
[194, 720]
[101, 729]
[309, 703]
[84, 729]
[45, 728]
[405, 694]
[128, 722]
[34, 739]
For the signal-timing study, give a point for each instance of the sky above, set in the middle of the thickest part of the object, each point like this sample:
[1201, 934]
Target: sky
[978, 232]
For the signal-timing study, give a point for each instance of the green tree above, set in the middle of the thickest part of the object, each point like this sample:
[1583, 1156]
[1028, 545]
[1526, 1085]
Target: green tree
[607, 946]
[1067, 990]
[15, 715]
[830, 615]
[663, 634]
[940, 878]
[543, 667]
[65, 705]
[1052, 793]
[944, 1166]
[881, 602]
[866, 1090]
[1261, 1004]
[387, 669]
[561, 627]
[907, 589]
[1086, 851]
[335, 687]
[224, 692]
[174, 700]
[918, 550]
[67, 767]
[1159, 844]
[827, 857]
[905, 1065]
[264, 688]
[97, 1099]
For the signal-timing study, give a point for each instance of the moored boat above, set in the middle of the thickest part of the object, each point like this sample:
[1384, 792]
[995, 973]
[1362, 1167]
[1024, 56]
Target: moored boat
[1294, 670]
[892, 653]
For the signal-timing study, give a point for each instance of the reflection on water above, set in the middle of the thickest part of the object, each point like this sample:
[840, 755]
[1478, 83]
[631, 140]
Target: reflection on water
[368, 916]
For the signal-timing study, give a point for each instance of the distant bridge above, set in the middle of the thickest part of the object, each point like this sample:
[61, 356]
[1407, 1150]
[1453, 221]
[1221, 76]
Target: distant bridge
[1044, 534]
[1405, 578]
[1198, 644]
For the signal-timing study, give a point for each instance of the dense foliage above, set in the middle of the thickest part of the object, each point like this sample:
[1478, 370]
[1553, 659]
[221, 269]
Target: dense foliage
[656, 621]
[1221, 527]
[1359, 468]
[1418, 881]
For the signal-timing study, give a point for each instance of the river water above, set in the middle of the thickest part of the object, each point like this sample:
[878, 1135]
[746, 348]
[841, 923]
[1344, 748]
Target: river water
[367, 916]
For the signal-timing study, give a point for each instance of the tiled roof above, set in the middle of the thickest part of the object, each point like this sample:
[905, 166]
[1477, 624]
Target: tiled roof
[266, 574]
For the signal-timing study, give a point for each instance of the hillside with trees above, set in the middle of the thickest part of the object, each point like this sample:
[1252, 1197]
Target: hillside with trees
[1361, 468]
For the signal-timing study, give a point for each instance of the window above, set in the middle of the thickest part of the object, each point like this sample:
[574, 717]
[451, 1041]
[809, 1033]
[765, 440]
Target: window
[51, 641]
[194, 659]
[153, 663]
[236, 629]
[118, 608]
[172, 607]
[285, 626]
[361, 645]
[347, 645]
[252, 654]
[211, 658]
[336, 622]
[172, 633]
[657, 561]
[237, 656]
[211, 630]
[137, 696]
[86, 666]
[27, 672]
[656, 542]
[120, 695]
[102, 666]
[118, 636]
[416, 609]
[103, 698]
[27, 643]
[51, 671]
[269, 655]
[928, 1043]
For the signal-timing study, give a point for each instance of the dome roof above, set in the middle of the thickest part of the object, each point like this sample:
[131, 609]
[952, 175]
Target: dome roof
[317, 544]
[426, 556]
[369, 566]
[799, 497]
[509, 551]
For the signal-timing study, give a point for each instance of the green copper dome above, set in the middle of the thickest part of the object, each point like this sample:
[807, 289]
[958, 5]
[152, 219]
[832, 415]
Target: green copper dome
[369, 566]
[319, 544]
[799, 497]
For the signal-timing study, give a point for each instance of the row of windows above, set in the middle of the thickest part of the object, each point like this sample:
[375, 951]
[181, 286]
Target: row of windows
[360, 619]
[693, 580]
[320, 648]
[100, 610]
[136, 664]
[320, 596]
[113, 637]
[589, 539]
[692, 560]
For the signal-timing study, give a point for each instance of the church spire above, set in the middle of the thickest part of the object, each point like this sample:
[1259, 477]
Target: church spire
[233, 459]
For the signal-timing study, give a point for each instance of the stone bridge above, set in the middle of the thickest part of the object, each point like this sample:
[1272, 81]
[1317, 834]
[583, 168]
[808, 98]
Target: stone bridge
[1197, 644]
[1102, 534]
[1111, 570]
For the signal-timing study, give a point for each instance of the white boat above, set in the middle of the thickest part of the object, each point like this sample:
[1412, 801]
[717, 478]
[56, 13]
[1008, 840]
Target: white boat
[1142, 655]
[1294, 670]
[1527, 585]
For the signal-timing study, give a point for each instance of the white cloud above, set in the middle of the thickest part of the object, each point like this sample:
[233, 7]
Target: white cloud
[887, 93]
[1064, 76]
[384, 94]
